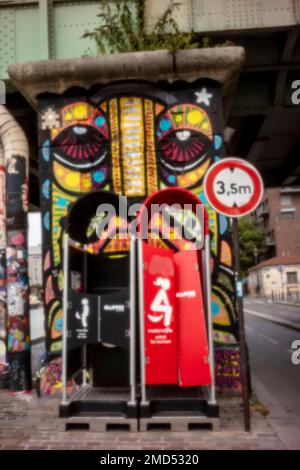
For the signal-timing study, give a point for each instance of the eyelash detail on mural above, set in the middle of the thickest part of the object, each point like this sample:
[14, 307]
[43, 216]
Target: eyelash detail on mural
[80, 146]
[187, 153]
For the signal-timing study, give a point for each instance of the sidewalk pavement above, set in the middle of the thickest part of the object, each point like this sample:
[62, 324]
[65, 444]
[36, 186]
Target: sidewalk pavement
[289, 316]
[29, 422]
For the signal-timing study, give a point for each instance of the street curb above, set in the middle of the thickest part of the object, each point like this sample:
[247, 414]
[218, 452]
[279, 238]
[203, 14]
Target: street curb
[274, 320]
[291, 304]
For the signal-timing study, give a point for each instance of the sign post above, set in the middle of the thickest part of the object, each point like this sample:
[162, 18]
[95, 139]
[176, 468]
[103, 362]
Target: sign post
[234, 188]
[241, 322]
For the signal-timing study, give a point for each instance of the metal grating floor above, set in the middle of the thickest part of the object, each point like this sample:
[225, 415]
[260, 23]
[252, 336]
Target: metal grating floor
[154, 392]
[89, 393]
[173, 392]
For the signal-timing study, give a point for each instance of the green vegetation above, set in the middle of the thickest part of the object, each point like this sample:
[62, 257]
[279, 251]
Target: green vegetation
[122, 29]
[251, 238]
[258, 406]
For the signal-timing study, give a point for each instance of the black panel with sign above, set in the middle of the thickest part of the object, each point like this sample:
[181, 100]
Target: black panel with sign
[115, 318]
[83, 319]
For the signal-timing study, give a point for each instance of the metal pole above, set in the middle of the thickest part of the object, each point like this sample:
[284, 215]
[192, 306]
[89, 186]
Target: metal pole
[84, 370]
[241, 323]
[142, 322]
[212, 398]
[65, 317]
[203, 284]
[132, 349]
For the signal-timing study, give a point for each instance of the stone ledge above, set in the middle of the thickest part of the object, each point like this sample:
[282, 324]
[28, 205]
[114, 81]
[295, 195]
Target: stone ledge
[221, 64]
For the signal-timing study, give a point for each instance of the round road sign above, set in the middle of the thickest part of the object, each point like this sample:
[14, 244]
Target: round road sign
[233, 187]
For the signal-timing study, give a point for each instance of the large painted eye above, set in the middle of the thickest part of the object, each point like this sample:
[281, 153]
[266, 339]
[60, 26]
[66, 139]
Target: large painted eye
[80, 146]
[183, 149]
[185, 135]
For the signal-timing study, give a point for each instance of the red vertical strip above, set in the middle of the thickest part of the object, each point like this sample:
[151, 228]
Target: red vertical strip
[193, 355]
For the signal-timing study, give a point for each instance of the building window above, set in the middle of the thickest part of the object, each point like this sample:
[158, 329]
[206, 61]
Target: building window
[287, 215]
[291, 277]
[286, 199]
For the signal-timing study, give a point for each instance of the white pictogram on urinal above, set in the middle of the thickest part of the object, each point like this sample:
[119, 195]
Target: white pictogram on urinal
[84, 313]
[161, 303]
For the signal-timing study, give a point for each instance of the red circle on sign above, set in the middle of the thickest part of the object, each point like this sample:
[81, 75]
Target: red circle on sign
[214, 201]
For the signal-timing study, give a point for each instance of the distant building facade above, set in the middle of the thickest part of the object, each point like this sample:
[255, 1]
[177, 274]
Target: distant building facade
[35, 265]
[278, 216]
[277, 278]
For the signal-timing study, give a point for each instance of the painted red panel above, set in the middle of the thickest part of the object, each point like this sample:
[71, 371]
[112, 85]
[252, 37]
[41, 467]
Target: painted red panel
[160, 316]
[193, 354]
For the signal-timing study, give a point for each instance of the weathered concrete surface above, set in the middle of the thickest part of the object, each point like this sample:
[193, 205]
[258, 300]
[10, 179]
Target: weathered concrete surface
[222, 64]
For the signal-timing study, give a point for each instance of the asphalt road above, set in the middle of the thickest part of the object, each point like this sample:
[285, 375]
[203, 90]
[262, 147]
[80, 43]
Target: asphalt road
[270, 353]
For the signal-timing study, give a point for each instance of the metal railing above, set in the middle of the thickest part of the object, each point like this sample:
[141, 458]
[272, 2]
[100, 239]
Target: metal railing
[289, 295]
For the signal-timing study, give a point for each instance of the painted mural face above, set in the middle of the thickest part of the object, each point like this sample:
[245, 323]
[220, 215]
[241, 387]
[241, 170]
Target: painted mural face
[132, 139]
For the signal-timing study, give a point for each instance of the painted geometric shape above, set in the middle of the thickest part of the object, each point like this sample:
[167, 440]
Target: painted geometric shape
[220, 314]
[50, 118]
[218, 141]
[46, 150]
[226, 253]
[46, 188]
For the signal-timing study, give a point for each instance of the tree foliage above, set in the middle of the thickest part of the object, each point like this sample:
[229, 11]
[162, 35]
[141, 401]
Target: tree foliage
[251, 238]
[122, 29]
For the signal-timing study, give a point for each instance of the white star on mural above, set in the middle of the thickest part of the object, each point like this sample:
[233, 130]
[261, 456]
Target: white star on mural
[50, 119]
[203, 97]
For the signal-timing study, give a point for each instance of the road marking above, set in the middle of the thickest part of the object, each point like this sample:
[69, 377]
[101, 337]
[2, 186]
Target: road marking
[248, 328]
[271, 340]
[258, 314]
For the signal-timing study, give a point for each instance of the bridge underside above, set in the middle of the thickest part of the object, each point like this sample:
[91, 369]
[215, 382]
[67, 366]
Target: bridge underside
[263, 125]
[266, 123]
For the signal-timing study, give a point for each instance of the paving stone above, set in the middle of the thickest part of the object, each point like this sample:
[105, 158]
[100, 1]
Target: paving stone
[33, 423]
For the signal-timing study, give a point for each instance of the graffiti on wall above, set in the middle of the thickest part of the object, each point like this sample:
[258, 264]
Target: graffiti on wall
[228, 369]
[18, 337]
[50, 382]
[132, 139]
[3, 311]
[3, 290]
